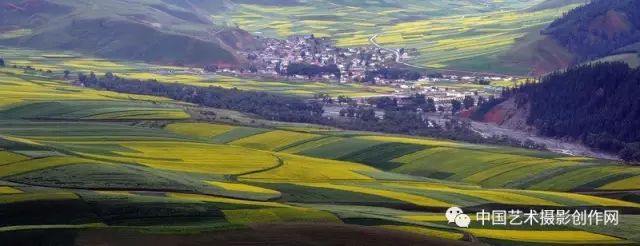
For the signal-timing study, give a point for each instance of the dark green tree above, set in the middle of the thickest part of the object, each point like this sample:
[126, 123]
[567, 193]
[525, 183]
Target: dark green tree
[481, 100]
[431, 105]
[469, 102]
[456, 106]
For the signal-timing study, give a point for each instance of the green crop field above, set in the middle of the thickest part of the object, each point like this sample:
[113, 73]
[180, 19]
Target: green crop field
[75, 63]
[465, 35]
[107, 161]
[274, 140]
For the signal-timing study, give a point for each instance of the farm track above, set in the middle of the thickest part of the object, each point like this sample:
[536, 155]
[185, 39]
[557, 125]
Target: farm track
[553, 145]
[278, 165]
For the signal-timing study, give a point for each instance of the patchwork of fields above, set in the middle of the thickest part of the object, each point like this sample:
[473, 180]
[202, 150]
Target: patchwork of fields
[75, 63]
[107, 161]
[464, 35]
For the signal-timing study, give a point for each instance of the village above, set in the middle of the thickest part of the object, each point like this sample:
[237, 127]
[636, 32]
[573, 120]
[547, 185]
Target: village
[276, 56]
[372, 65]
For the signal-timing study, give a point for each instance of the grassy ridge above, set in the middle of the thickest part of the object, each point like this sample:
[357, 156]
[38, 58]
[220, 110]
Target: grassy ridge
[171, 33]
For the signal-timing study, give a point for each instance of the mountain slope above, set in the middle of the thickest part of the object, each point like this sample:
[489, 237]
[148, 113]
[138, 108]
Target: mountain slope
[602, 29]
[598, 29]
[595, 104]
[168, 31]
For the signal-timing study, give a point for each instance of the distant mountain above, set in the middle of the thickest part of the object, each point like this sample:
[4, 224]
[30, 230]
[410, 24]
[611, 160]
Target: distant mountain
[159, 31]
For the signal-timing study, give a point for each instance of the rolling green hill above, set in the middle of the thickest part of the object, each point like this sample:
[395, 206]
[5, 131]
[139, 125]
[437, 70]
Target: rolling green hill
[82, 166]
[168, 32]
[130, 169]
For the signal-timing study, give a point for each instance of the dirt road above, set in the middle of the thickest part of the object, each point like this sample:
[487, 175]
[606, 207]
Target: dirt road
[554, 145]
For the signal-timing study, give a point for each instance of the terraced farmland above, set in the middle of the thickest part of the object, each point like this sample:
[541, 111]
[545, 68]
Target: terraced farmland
[482, 165]
[174, 175]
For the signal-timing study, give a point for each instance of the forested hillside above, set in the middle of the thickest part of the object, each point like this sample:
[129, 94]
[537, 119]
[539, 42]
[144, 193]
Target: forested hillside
[597, 104]
[598, 29]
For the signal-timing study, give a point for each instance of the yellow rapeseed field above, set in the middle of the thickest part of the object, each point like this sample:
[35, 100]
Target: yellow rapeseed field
[273, 140]
[625, 184]
[38, 164]
[498, 196]
[421, 141]
[9, 190]
[410, 198]
[243, 188]
[214, 199]
[195, 157]
[8, 157]
[299, 168]
[201, 130]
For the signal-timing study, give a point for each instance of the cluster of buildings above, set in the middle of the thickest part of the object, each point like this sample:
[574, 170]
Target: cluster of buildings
[275, 55]
[466, 78]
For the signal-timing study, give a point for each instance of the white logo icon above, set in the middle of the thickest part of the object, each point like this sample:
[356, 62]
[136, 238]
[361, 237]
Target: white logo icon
[463, 220]
[456, 215]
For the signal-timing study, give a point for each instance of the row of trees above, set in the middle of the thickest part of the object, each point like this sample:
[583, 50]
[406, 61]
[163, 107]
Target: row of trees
[327, 99]
[312, 71]
[426, 104]
[393, 74]
[284, 108]
[359, 112]
[596, 103]
[485, 106]
[416, 124]
[265, 105]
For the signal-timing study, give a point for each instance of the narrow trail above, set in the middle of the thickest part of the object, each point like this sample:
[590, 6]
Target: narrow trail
[278, 165]
[372, 40]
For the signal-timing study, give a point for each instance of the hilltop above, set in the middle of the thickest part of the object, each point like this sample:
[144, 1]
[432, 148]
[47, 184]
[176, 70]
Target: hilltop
[167, 32]
[599, 29]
